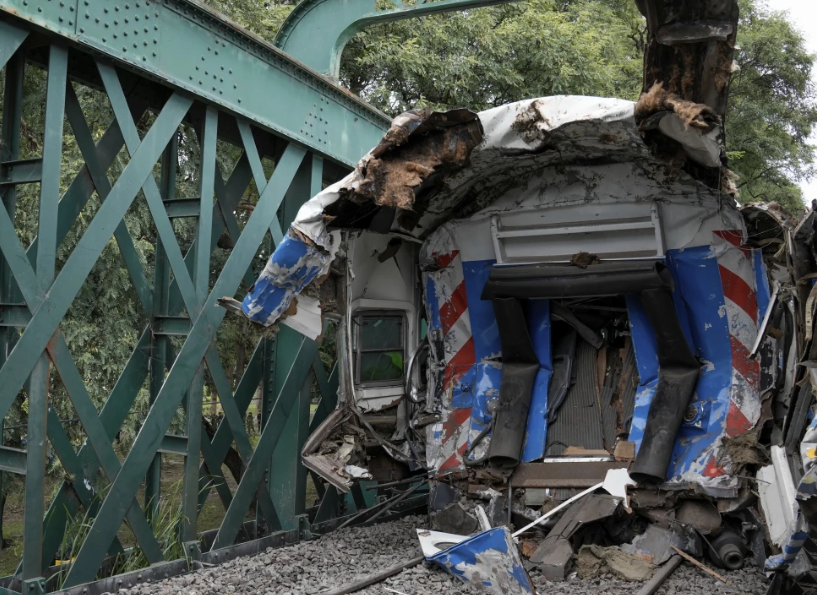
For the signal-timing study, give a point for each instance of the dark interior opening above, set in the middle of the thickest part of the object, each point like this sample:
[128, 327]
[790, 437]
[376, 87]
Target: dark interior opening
[592, 390]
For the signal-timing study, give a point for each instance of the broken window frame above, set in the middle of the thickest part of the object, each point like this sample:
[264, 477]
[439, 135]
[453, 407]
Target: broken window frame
[358, 351]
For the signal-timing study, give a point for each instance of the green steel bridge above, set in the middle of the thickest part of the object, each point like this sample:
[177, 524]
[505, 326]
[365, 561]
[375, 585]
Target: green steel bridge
[186, 65]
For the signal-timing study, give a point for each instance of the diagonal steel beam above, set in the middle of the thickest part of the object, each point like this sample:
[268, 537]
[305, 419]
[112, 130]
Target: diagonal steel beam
[100, 442]
[98, 169]
[235, 419]
[223, 438]
[228, 196]
[82, 187]
[258, 173]
[164, 228]
[97, 436]
[11, 38]
[329, 393]
[72, 276]
[211, 477]
[287, 396]
[113, 414]
[181, 375]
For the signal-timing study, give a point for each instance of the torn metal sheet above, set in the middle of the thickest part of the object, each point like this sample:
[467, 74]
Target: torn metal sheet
[296, 262]
[454, 519]
[790, 511]
[308, 318]
[655, 544]
[434, 542]
[717, 301]
[387, 177]
[554, 553]
[489, 561]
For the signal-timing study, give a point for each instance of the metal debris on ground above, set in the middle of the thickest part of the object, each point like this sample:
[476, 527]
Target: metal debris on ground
[560, 296]
[349, 555]
[595, 560]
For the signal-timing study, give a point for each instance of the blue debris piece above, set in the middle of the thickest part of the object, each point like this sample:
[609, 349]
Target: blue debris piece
[489, 560]
[294, 265]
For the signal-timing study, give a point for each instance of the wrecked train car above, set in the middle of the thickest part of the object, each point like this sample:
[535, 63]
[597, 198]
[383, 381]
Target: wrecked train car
[530, 297]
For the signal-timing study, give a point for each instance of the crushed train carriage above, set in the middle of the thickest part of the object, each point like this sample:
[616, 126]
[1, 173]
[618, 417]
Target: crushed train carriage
[533, 295]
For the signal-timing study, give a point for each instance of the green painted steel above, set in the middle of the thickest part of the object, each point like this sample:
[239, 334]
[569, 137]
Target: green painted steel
[317, 30]
[180, 377]
[185, 66]
[288, 489]
[284, 403]
[195, 50]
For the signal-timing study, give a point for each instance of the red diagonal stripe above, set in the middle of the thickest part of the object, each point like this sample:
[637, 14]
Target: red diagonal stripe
[451, 310]
[736, 422]
[458, 365]
[465, 357]
[735, 238]
[454, 460]
[454, 422]
[443, 260]
[732, 236]
[748, 367]
[737, 290]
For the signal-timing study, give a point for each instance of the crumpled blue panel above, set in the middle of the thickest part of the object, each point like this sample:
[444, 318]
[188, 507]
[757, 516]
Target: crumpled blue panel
[293, 266]
[489, 559]
[533, 448]
[481, 312]
[699, 303]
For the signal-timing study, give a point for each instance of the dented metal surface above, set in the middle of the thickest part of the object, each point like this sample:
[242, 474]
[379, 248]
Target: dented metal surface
[489, 561]
[576, 182]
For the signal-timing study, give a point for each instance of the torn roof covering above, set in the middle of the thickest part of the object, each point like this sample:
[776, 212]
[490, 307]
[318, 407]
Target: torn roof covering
[431, 167]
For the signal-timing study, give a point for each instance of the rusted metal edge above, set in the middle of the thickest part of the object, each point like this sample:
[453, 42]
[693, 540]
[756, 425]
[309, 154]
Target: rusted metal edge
[563, 475]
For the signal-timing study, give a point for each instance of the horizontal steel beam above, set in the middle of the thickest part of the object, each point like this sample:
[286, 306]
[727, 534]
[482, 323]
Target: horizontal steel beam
[183, 207]
[171, 326]
[195, 49]
[14, 315]
[24, 171]
[174, 445]
[12, 460]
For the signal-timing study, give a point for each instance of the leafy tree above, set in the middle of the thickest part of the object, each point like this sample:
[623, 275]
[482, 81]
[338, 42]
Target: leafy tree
[481, 58]
[488, 57]
[772, 109]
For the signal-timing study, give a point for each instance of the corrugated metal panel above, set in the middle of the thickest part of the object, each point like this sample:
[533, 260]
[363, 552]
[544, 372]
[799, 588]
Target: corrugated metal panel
[609, 413]
[578, 422]
[630, 386]
[562, 475]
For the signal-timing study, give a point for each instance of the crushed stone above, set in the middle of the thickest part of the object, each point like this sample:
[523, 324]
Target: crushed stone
[341, 557]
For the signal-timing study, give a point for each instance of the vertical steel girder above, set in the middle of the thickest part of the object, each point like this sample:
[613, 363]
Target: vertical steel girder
[29, 348]
[254, 96]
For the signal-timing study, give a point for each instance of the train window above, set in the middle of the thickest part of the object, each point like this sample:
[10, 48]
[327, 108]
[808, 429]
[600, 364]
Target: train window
[379, 348]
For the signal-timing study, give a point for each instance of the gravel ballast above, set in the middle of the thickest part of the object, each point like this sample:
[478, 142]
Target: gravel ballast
[351, 554]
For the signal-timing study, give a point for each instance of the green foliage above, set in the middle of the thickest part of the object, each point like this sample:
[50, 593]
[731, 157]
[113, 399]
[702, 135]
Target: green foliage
[487, 57]
[167, 529]
[772, 108]
[479, 58]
